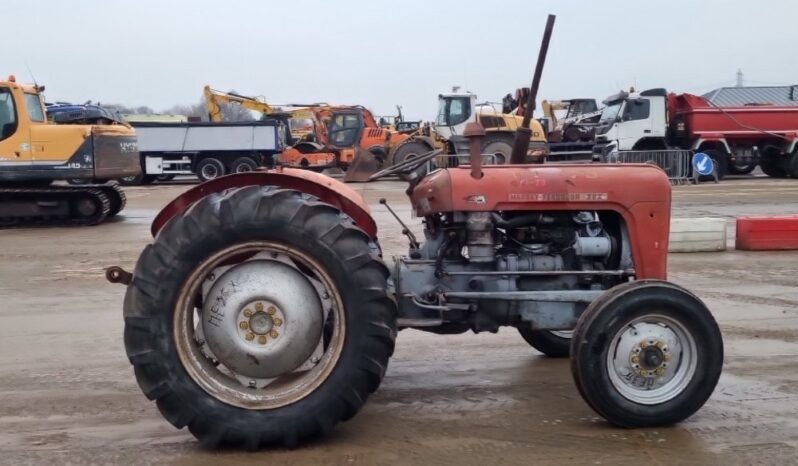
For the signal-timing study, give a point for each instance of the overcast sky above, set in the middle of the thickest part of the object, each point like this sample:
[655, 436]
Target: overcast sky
[160, 53]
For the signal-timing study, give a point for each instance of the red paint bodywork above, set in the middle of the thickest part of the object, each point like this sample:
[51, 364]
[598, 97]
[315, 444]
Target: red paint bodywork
[327, 189]
[767, 233]
[641, 194]
[744, 124]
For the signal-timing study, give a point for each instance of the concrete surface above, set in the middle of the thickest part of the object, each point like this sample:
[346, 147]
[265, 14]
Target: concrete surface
[68, 395]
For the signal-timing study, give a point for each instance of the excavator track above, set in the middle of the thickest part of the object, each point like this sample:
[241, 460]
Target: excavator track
[57, 205]
[115, 196]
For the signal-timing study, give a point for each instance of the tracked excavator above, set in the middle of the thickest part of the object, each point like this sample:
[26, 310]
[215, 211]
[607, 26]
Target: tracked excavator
[34, 152]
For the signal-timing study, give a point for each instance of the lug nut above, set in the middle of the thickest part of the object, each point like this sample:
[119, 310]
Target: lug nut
[262, 339]
[273, 334]
[247, 312]
[250, 336]
[660, 371]
[277, 321]
[258, 307]
[635, 359]
[243, 325]
[644, 373]
[271, 310]
[661, 344]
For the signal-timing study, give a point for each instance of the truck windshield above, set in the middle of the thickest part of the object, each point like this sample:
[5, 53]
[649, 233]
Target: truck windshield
[8, 114]
[611, 112]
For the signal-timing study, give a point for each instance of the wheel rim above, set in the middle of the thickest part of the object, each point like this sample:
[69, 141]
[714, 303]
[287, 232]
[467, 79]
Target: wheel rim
[652, 359]
[297, 360]
[210, 172]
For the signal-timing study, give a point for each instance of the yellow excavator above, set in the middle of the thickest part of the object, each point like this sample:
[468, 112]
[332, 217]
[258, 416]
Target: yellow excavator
[34, 152]
[298, 119]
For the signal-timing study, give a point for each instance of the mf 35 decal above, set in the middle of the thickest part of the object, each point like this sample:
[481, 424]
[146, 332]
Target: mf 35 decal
[558, 197]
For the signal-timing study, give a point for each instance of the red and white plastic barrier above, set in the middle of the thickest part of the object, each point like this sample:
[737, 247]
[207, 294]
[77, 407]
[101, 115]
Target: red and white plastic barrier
[767, 233]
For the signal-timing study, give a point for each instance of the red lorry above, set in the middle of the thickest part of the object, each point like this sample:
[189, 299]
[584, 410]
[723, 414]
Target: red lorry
[735, 137]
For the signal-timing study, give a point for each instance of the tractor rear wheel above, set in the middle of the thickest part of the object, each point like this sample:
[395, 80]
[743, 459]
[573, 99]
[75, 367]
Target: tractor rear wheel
[552, 343]
[646, 353]
[259, 316]
[499, 145]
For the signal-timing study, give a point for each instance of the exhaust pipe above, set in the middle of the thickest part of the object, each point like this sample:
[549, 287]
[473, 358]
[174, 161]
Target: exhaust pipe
[523, 133]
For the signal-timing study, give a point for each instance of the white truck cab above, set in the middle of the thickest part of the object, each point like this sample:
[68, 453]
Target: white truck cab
[632, 121]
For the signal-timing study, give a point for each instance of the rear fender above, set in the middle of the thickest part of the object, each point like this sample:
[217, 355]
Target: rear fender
[325, 188]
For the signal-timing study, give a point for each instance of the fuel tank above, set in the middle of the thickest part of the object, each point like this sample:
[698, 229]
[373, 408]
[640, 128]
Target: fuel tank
[639, 193]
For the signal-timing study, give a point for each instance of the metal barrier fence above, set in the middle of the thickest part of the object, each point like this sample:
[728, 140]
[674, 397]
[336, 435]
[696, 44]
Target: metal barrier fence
[676, 163]
[455, 160]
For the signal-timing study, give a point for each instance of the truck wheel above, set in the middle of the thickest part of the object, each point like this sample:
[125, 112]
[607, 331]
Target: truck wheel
[552, 343]
[259, 316]
[773, 165]
[743, 168]
[646, 353]
[243, 165]
[500, 145]
[793, 165]
[721, 161]
[209, 169]
[134, 180]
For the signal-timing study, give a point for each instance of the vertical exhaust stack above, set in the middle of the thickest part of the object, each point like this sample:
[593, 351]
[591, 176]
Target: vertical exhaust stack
[523, 134]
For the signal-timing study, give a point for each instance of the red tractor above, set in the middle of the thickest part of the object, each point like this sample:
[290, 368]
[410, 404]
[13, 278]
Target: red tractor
[263, 311]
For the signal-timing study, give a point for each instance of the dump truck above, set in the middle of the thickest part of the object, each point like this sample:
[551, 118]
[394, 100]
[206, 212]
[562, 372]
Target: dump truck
[205, 149]
[73, 145]
[656, 119]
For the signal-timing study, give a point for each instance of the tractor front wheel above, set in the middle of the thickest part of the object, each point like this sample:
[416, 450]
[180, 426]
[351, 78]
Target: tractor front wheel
[646, 353]
[259, 316]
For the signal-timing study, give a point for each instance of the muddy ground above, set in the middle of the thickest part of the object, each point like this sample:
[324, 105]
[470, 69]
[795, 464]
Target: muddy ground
[68, 395]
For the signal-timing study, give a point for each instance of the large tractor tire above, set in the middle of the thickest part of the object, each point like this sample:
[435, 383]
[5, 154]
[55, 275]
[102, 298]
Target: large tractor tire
[259, 316]
[773, 165]
[646, 353]
[552, 343]
[408, 151]
[500, 145]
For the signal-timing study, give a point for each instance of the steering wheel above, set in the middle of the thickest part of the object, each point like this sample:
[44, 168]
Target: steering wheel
[407, 166]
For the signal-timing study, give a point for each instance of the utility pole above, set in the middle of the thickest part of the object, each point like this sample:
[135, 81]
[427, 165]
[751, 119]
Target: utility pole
[739, 77]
